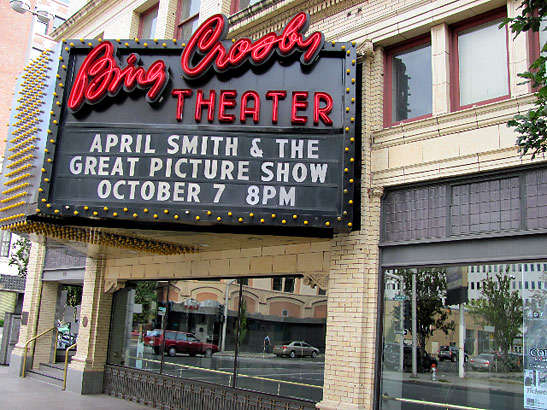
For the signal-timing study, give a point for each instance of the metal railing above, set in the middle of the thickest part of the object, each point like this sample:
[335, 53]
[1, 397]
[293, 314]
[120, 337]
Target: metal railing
[32, 339]
[66, 364]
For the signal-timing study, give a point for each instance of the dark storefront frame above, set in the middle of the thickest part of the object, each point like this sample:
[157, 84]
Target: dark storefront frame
[526, 243]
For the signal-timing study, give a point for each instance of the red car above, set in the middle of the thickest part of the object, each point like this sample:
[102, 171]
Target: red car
[179, 342]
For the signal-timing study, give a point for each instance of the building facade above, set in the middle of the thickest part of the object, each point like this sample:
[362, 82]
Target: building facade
[444, 209]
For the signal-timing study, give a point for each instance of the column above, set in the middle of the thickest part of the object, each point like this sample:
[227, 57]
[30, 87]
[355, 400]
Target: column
[85, 373]
[440, 61]
[31, 303]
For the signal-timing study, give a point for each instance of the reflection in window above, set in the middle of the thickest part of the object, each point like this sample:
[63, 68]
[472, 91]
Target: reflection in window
[196, 329]
[411, 83]
[491, 347]
[479, 47]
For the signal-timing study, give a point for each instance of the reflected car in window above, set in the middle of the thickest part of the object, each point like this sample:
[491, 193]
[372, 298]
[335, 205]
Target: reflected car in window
[179, 342]
[484, 361]
[391, 358]
[294, 349]
[451, 353]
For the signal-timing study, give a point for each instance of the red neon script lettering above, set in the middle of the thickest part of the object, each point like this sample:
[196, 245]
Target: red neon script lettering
[100, 75]
[206, 46]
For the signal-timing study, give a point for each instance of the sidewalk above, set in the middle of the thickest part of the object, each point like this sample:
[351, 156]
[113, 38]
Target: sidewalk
[27, 394]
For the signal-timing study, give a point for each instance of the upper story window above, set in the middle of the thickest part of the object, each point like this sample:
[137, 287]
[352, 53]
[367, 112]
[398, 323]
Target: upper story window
[238, 5]
[537, 40]
[408, 81]
[40, 27]
[147, 26]
[57, 21]
[479, 61]
[5, 242]
[543, 33]
[187, 18]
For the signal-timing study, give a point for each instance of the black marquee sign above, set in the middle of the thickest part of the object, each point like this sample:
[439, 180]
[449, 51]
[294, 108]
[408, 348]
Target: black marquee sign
[215, 131]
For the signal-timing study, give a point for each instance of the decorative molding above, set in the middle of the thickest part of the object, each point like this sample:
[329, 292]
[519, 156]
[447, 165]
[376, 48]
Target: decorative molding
[365, 50]
[319, 279]
[113, 285]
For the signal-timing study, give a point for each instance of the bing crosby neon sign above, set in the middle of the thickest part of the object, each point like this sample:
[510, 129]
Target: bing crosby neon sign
[100, 74]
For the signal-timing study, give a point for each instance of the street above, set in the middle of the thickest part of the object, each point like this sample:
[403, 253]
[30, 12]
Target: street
[298, 377]
[478, 390]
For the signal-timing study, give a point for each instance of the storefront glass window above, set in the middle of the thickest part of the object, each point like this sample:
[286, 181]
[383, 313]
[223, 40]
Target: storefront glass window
[194, 329]
[492, 366]
[138, 317]
[272, 342]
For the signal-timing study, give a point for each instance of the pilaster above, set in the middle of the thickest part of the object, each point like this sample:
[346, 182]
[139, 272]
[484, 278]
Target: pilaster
[31, 304]
[87, 366]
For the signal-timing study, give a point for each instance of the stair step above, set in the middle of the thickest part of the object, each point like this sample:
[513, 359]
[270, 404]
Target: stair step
[52, 369]
[45, 378]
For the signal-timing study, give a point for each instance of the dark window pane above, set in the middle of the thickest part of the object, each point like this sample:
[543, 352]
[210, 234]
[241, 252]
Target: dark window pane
[289, 285]
[411, 83]
[277, 283]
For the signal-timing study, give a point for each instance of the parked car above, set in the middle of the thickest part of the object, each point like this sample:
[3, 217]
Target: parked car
[179, 342]
[451, 353]
[295, 348]
[391, 357]
[484, 361]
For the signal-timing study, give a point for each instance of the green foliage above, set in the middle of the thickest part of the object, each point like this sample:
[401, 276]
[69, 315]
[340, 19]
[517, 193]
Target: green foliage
[20, 255]
[532, 126]
[73, 295]
[501, 308]
[430, 312]
[1, 322]
[146, 295]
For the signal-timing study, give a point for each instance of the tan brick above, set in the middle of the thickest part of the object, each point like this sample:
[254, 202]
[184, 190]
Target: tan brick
[240, 266]
[284, 264]
[261, 264]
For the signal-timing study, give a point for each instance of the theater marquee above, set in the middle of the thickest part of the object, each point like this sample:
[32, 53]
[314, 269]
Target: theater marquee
[210, 132]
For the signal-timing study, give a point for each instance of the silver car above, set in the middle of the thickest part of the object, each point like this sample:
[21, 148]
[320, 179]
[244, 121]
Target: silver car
[296, 348]
[484, 361]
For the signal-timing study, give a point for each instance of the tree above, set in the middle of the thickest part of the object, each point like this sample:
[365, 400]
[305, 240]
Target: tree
[146, 295]
[20, 255]
[430, 312]
[532, 126]
[501, 308]
[73, 295]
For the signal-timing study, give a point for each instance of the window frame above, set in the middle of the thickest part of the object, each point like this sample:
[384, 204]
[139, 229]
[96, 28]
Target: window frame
[484, 18]
[388, 77]
[145, 14]
[180, 24]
